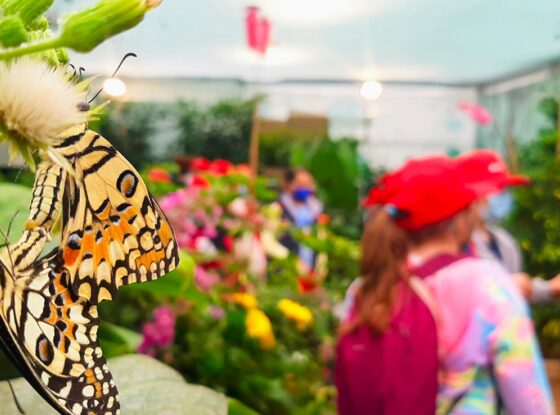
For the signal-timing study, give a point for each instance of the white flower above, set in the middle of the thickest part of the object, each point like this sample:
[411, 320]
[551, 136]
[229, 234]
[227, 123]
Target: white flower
[38, 102]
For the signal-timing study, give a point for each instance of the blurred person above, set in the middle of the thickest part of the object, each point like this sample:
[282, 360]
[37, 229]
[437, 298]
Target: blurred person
[486, 173]
[386, 187]
[301, 208]
[488, 354]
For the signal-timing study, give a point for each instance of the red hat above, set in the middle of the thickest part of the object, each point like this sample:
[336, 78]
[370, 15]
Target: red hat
[485, 172]
[429, 198]
[389, 184]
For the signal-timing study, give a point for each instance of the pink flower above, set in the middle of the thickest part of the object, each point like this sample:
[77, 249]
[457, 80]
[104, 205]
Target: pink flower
[172, 201]
[184, 241]
[217, 313]
[205, 280]
[158, 334]
[210, 230]
[478, 113]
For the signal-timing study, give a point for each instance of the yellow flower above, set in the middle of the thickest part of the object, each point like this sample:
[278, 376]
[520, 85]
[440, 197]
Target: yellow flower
[259, 328]
[248, 301]
[301, 315]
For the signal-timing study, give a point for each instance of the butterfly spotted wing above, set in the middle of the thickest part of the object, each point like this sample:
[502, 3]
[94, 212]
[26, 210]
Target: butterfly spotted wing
[50, 333]
[114, 232]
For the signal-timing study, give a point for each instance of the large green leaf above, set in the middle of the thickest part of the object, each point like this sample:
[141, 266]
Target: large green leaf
[237, 408]
[146, 386]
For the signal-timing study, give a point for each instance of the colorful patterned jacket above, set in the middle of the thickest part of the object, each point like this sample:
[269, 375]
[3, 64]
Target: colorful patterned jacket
[489, 355]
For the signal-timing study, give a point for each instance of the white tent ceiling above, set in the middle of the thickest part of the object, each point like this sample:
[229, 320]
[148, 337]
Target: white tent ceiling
[441, 41]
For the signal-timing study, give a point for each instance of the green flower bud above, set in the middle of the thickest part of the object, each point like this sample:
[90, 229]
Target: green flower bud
[86, 29]
[63, 57]
[42, 23]
[48, 55]
[27, 10]
[12, 32]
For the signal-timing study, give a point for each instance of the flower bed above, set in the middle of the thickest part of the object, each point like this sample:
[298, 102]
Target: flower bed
[240, 315]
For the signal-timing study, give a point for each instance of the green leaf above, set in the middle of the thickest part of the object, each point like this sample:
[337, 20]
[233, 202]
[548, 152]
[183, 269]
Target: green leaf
[117, 341]
[237, 408]
[172, 285]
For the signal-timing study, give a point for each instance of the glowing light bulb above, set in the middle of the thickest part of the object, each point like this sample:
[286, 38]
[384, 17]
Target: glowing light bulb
[114, 87]
[371, 90]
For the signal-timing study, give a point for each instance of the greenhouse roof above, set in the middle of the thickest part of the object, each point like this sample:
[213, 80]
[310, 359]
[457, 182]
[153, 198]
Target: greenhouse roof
[435, 41]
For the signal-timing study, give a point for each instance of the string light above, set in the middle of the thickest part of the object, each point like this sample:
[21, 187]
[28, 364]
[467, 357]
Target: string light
[114, 87]
[371, 90]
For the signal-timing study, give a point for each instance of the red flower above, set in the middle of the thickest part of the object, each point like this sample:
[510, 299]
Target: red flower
[200, 163]
[158, 175]
[228, 243]
[306, 284]
[323, 219]
[199, 181]
[220, 167]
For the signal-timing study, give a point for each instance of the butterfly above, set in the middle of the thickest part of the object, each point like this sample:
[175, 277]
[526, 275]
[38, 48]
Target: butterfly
[113, 234]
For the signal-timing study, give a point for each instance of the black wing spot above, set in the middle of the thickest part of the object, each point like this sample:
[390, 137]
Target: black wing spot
[102, 208]
[61, 325]
[44, 350]
[123, 207]
[127, 183]
[75, 240]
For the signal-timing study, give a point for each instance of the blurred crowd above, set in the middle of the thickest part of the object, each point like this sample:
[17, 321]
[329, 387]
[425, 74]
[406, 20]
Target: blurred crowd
[438, 322]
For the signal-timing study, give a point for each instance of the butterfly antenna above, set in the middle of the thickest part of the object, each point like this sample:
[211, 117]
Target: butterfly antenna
[81, 71]
[18, 405]
[125, 57]
[73, 68]
[18, 174]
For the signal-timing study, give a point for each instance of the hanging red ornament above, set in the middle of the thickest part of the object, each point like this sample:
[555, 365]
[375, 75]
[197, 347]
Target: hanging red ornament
[252, 19]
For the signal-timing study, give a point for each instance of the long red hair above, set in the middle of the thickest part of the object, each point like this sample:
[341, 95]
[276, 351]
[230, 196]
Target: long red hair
[385, 249]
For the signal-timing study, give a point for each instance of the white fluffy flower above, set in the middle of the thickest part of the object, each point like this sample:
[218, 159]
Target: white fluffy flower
[38, 102]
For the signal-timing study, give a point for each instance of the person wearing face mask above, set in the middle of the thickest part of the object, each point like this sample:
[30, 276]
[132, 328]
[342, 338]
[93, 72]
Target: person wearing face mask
[301, 208]
[492, 241]
[485, 172]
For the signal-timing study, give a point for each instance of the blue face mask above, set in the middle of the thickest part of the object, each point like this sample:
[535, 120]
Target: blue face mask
[499, 207]
[301, 194]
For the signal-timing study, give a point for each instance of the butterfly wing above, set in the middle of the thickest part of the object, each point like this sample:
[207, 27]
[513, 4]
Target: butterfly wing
[114, 232]
[51, 335]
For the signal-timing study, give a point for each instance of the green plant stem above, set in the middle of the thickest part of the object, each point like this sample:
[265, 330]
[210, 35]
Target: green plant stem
[33, 48]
